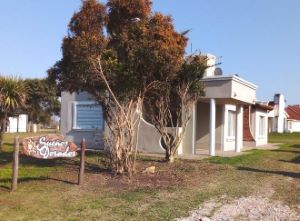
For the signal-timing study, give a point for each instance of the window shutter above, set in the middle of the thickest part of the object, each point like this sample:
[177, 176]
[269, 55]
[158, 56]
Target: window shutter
[89, 116]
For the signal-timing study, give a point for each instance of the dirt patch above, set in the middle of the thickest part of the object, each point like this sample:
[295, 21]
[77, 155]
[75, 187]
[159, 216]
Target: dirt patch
[181, 173]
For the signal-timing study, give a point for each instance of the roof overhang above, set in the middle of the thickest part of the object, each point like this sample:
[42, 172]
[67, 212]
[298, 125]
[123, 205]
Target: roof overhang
[229, 88]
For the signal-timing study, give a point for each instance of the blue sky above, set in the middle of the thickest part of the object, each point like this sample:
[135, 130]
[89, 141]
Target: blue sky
[257, 39]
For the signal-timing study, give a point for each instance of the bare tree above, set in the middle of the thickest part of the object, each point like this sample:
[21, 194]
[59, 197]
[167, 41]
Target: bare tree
[169, 103]
[123, 120]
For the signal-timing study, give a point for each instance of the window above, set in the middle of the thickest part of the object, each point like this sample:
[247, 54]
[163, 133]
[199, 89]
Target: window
[289, 125]
[262, 126]
[87, 116]
[231, 123]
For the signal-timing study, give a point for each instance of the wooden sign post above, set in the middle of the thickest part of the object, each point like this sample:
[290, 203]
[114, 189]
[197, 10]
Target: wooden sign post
[47, 147]
[82, 162]
[15, 165]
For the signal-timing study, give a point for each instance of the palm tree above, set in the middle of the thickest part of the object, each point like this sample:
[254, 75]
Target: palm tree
[12, 97]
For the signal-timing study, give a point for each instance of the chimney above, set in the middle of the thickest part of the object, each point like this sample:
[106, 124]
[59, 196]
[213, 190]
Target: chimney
[211, 63]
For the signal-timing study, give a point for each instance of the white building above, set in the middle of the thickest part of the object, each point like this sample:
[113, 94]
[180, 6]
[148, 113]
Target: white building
[18, 124]
[293, 118]
[277, 117]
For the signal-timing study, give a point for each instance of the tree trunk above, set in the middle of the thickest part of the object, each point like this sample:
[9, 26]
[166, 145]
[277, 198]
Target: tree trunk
[3, 129]
[1, 140]
[169, 158]
[18, 123]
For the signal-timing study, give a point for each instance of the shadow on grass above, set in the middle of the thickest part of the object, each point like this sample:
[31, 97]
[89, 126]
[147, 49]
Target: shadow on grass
[151, 159]
[20, 180]
[283, 173]
[294, 160]
[63, 181]
[5, 158]
[286, 151]
[295, 146]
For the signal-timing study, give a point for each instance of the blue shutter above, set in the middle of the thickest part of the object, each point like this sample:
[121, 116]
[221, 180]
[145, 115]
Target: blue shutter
[89, 116]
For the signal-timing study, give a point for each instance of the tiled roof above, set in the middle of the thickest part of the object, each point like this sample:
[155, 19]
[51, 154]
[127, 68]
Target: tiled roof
[264, 106]
[293, 111]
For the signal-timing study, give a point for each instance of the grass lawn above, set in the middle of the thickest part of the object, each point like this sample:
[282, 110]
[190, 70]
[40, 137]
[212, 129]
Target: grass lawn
[47, 189]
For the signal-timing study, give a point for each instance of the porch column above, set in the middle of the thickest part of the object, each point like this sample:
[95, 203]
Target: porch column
[239, 128]
[212, 128]
[194, 127]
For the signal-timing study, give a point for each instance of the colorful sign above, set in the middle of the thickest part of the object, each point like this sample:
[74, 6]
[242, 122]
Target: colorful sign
[49, 147]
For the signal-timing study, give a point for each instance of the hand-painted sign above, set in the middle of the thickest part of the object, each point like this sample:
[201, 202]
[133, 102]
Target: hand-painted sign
[49, 147]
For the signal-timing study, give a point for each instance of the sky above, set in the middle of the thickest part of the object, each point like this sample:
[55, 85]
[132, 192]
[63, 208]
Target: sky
[257, 39]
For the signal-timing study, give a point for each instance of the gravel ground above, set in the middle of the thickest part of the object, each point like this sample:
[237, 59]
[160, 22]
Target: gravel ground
[245, 208]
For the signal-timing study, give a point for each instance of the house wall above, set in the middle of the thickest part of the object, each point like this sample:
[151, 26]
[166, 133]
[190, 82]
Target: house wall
[217, 89]
[94, 138]
[233, 88]
[278, 115]
[293, 126]
[229, 141]
[189, 138]
[260, 139]
[242, 93]
[149, 138]
[281, 114]
[202, 128]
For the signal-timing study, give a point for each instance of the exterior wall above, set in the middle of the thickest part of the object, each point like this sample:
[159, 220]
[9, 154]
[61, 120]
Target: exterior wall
[233, 88]
[278, 116]
[149, 138]
[189, 139]
[202, 128]
[293, 126]
[260, 139]
[18, 124]
[281, 114]
[217, 89]
[229, 142]
[242, 93]
[94, 138]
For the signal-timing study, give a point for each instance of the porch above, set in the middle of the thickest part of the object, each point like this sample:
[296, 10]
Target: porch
[217, 121]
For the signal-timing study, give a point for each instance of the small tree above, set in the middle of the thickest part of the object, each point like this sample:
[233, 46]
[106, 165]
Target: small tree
[169, 103]
[12, 97]
[123, 119]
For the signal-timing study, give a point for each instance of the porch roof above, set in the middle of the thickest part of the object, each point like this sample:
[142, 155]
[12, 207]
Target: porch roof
[229, 89]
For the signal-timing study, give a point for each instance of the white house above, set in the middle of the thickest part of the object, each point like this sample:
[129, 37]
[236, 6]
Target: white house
[218, 121]
[227, 118]
[18, 124]
[277, 117]
[293, 118]
[283, 119]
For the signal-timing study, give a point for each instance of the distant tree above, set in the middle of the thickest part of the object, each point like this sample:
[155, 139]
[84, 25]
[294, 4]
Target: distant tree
[42, 101]
[12, 98]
